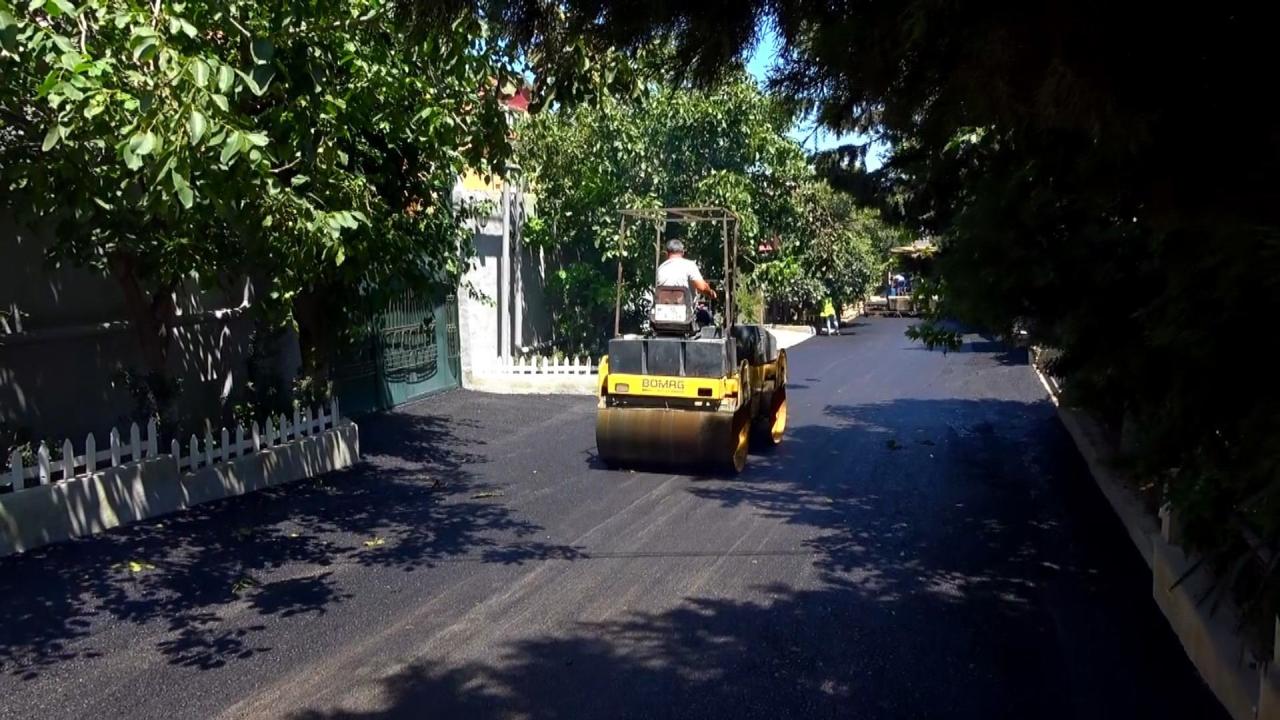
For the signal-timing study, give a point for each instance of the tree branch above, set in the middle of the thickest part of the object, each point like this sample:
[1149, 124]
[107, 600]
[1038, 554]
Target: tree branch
[240, 27]
[288, 165]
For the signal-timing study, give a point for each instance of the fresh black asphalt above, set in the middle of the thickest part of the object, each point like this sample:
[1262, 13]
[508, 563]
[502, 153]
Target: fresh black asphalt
[925, 544]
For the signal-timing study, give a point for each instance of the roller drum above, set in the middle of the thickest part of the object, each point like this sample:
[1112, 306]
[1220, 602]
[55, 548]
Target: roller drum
[639, 436]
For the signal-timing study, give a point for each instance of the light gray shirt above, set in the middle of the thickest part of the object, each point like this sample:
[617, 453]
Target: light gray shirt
[678, 272]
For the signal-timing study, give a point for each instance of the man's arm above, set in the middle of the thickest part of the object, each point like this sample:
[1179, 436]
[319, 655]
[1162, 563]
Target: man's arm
[704, 287]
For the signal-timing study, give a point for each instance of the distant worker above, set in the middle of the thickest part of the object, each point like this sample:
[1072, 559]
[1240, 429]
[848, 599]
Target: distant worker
[829, 315]
[679, 271]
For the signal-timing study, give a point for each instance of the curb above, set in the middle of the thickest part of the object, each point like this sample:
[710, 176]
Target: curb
[807, 329]
[1247, 687]
[534, 384]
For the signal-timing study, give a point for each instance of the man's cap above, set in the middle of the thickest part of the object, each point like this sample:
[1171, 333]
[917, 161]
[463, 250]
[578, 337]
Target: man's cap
[675, 246]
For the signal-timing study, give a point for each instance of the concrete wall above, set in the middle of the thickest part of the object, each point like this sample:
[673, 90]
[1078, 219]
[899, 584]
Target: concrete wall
[486, 293]
[56, 377]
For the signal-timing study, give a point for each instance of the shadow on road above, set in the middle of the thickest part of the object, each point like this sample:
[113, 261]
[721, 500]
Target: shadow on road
[965, 568]
[409, 504]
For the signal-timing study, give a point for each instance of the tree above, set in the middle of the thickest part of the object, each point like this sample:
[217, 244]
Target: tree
[832, 248]
[675, 147]
[311, 146]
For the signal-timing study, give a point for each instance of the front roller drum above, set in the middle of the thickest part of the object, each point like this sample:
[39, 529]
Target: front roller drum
[658, 437]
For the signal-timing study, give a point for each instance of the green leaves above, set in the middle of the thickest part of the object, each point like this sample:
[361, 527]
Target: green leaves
[185, 122]
[143, 43]
[58, 7]
[200, 72]
[196, 126]
[230, 148]
[142, 143]
[178, 25]
[51, 138]
[182, 188]
[7, 19]
[226, 76]
[258, 79]
[675, 147]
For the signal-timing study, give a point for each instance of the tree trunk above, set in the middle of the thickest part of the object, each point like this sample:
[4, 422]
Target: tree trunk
[151, 317]
[316, 341]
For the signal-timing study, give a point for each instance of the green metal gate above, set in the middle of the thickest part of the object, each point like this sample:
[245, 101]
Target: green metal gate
[410, 351]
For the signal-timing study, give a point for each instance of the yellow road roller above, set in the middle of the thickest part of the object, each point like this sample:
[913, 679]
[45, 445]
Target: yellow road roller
[688, 392]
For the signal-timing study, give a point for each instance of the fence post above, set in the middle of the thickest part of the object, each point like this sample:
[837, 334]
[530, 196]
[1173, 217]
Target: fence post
[114, 441]
[208, 446]
[269, 429]
[153, 438]
[135, 443]
[194, 452]
[317, 419]
[175, 449]
[225, 437]
[239, 440]
[304, 422]
[16, 471]
[68, 460]
[257, 437]
[297, 420]
[333, 410]
[90, 455]
[42, 461]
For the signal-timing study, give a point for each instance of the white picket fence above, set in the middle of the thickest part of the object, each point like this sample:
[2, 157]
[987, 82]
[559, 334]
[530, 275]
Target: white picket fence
[549, 366]
[227, 445]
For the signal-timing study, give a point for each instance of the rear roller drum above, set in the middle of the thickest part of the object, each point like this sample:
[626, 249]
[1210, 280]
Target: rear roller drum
[741, 444]
[769, 428]
[771, 424]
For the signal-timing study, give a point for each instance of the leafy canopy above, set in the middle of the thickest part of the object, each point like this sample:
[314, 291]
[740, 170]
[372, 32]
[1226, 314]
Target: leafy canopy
[675, 146]
[310, 145]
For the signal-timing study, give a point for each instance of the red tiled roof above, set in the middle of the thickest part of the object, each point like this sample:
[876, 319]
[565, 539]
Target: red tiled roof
[520, 101]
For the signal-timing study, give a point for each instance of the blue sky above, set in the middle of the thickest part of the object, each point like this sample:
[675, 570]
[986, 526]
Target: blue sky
[762, 59]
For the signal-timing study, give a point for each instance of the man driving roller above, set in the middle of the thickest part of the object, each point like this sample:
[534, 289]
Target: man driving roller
[679, 271]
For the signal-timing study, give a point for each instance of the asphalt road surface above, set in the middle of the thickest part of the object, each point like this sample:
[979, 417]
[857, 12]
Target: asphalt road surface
[926, 543]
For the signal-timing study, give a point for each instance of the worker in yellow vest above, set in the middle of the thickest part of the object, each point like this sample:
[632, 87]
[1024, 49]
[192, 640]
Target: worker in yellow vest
[829, 316]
